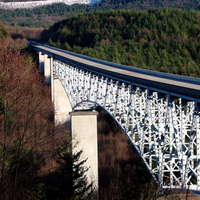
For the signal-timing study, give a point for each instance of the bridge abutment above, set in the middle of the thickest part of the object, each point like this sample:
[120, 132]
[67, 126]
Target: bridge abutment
[84, 136]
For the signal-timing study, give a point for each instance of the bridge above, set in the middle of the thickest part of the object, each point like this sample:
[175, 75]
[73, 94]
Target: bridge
[159, 112]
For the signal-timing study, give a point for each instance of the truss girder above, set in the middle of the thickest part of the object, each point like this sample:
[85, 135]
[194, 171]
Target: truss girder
[164, 128]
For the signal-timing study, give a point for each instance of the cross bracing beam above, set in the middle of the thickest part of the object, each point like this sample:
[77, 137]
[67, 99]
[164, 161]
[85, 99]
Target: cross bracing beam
[164, 128]
[162, 122]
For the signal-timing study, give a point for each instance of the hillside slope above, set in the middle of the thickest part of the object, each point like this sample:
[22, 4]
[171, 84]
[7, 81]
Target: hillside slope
[164, 40]
[24, 4]
[46, 15]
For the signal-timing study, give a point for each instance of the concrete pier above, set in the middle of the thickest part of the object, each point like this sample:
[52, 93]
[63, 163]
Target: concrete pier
[61, 102]
[41, 62]
[48, 61]
[84, 134]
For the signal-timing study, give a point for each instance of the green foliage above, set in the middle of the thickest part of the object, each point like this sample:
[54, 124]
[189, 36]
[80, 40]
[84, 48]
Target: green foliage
[18, 160]
[69, 180]
[44, 15]
[18, 166]
[164, 40]
[3, 31]
[6, 124]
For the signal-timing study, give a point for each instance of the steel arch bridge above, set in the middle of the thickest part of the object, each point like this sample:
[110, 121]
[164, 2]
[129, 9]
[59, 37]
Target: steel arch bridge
[161, 116]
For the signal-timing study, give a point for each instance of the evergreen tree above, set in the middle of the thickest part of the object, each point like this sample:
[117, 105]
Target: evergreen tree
[3, 31]
[69, 181]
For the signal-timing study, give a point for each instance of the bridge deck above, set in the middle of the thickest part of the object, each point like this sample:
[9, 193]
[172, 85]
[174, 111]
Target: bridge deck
[186, 86]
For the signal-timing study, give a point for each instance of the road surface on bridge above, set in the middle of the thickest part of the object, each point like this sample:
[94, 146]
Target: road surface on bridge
[175, 84]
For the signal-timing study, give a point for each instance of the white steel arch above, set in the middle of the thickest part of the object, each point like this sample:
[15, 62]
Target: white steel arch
[164, 127]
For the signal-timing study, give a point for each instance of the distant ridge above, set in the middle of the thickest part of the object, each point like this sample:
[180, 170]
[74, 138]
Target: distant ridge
[33, 4]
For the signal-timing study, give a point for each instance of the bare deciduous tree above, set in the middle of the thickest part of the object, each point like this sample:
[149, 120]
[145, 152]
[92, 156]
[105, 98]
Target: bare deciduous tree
[26, 123]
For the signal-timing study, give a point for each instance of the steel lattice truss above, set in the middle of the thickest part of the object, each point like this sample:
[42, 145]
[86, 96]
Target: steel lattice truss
[164, 128]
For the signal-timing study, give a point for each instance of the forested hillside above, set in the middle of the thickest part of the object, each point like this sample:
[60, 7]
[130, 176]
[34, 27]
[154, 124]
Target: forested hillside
[166, 40]
[46, 15]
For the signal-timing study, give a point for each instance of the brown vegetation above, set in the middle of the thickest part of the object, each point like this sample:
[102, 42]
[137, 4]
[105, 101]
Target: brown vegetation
[27, 135]
[37, 34]
[122, 173]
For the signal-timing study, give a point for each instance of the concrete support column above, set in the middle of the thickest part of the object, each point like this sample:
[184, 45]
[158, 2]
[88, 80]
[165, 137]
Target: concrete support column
[41, 62]
[84, 133]
[47, 68]
[61, 102]
[52, 80]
